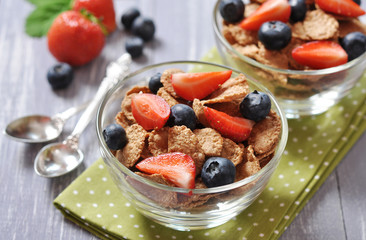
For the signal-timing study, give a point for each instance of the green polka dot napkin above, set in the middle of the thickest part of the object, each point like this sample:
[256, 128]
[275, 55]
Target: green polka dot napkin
[315, 146]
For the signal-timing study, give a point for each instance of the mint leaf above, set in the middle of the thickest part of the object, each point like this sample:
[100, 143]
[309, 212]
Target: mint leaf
[40, 20]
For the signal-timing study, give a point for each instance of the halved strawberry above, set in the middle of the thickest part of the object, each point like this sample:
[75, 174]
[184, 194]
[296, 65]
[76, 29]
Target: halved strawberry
[346, 8]
[179, 168]
[150, 111]
[272, 10]
[198, 85]
[236, 128]
[320, 54]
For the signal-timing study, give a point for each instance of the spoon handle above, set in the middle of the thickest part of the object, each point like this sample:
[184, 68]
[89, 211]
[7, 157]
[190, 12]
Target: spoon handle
[115, 72]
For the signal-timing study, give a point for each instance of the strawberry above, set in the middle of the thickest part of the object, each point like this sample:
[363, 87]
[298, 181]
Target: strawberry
[74, 39]
[150, 111]
[178, 168]
[198, 85]
[320, 54]
[346, 8]
[236, 128]
[271, 10]
[102, 9]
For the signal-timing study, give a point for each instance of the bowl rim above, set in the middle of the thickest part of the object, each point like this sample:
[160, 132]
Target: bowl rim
[271, 164]
[251, 61]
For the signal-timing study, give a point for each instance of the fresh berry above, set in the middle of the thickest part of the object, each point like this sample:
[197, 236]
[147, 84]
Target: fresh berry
[129, 16]
[298, 10]
[232, 10]
[60, 75]
[178, 168]
[150, 111]
[320, 54]
[154, 83]
[346, 8]
[75, 39]
[274, 35]
[255, 106]
[182, 114]
[115, 136]
[270, 10]
[102, 9]
[144, 28]
[235, 128]
[198, 85]
[218, 171]
[134, 46]
[354, 44]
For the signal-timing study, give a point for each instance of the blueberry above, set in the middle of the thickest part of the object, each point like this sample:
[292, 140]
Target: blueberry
[274, 35]
[255, 106]
[218, 171]
[354, 44]
[154, 83]
[134, 46]
[298, 10]
[144, 28]
[182, 114]
[232, 10]
[115, 136]
[129, 16]
[357, 1]
[60, 75]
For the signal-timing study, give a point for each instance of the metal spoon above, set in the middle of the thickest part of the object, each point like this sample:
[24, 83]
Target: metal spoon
[57, 159]
[40, 128]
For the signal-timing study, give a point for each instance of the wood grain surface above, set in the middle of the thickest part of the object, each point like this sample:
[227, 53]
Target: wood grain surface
[184, 32]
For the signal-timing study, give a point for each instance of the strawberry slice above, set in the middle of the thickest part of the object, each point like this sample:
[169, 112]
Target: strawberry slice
[320, 54]
[346, 8]
[150, 111]
[198, 85]
[178, 168]
[235, 128]
[272, 10]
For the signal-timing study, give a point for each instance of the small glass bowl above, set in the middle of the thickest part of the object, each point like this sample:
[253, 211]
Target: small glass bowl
[150, 198]
[299, 93]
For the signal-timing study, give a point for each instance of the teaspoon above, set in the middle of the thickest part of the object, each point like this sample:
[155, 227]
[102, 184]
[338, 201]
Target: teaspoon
[57, 159]
[40, 128]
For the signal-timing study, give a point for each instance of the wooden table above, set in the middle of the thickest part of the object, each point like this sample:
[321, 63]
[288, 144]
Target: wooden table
[184, 31]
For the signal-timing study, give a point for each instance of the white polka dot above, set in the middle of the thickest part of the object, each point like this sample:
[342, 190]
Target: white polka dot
[287, 217]
[141, 236]
[119, 226]
[355, 102]
[271, 219]
[292, 192]
[101, 166]
[309, 139]
[207, 234]
[95, 205]
[352, 126]
[304, 128]
[63, 205]
[318, 127]
[315, 145]
[78, 204]
[250, 214]
[115, 215]
[311, 166]
[75, 192]
[108, 192]
[344, 138]
[286, 184]
[132, 216]
[363, 90]
[306, 158]
[239, 229]
[136, 226]
[88, 179]
[307, 190]
[111, 204]
[152, 226]
[255, 224]
[324, 134]
[157, 236]
[302, 179]
[174, 237]
[333, 122]
[359, 113]
[223, 231]
[91, 192]
[82, 217]
[190, 236]
[320, 152]
[294, 139]
[276, 231]
[104, 227]
[291, 163]
[339, 129]
[316, 176]
[261, 235]
[296, 172]
[270, 188]
[260, 201]
[127, 204]
[326, 163]
[280, 176]
[99, 215]
[285, 152]
[299, 150]
[104, 179]
[265, 210]
[330, 140]
[346, 115]
[87, 224]
[290, 129]
[341, 108]
[282, 204]
[297, 202]
[275, 196]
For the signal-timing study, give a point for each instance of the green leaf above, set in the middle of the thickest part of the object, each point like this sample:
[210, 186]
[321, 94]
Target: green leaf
[40, 20]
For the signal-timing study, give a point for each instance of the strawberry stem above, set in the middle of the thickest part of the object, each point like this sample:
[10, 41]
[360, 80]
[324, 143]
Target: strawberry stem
[94, 19]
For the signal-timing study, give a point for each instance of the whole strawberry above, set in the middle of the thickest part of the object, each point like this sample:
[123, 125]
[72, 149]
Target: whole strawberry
[75, 39]
[102, 9]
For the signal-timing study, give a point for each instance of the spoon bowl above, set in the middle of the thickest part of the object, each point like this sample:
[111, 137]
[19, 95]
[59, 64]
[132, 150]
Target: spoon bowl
[57, 159]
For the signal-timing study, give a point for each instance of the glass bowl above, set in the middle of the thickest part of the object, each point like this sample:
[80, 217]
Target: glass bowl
[299, 92]
[146, 196]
